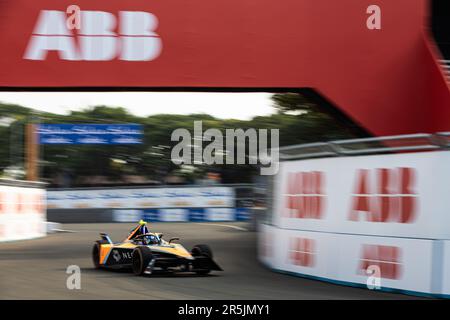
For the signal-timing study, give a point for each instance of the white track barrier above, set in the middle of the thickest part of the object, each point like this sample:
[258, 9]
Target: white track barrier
[132, 198]
[22, 212]
[338, 219]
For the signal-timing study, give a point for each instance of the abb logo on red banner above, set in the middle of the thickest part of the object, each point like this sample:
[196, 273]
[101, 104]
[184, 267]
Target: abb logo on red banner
[136, 39]
[392, 200]
[305, 198]
[386, 258]
[302, 252]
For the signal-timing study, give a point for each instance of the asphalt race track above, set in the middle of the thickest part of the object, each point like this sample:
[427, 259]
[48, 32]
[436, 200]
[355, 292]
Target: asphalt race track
[36, 269]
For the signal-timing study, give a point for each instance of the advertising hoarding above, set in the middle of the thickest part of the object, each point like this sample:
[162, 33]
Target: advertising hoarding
[106, 134]
[22, 213]
[353, 220]
[142, 198]
[382, 195]
[182, 44]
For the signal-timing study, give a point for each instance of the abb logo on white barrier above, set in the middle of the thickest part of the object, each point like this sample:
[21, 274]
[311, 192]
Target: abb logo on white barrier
[267, 244]
[387, 197]
[386, 258]
[96, 40]
[305, 198]
[302, 252]
[18, 203]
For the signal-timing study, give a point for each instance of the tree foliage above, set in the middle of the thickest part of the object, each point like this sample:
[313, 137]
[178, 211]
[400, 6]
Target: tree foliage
[298, 120]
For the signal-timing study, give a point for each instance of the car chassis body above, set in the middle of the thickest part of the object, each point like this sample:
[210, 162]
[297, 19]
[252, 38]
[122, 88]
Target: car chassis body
[150, 258]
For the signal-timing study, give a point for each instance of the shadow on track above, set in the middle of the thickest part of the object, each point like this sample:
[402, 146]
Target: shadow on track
[155, 274]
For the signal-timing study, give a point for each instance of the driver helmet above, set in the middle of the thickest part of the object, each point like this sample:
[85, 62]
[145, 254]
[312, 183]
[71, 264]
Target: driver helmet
[151, 239]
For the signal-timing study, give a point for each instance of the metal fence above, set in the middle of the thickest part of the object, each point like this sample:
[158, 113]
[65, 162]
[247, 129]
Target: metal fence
[368, 146]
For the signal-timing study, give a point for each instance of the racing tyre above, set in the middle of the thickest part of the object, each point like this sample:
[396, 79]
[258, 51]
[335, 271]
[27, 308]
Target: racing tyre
[202, 250]
[96, 253]
[141, 258]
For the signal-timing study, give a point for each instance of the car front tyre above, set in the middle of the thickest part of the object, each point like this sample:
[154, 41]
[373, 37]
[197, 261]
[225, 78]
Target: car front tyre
[202, 250]
[142, 256]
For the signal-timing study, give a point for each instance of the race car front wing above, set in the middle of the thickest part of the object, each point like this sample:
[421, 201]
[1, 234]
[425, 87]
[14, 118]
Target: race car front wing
[183, 264]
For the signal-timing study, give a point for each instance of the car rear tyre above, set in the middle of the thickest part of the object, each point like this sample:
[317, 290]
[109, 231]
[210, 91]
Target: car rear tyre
[202, 250]
[96, 253]
[141, 258]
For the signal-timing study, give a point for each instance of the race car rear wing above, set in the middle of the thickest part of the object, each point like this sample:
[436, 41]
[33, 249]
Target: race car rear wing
[105, 236]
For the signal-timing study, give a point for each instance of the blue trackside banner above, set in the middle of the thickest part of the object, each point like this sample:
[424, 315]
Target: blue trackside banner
[182, 214]
[98, 134]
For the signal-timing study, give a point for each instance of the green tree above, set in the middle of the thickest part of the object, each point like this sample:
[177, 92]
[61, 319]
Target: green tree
[298, 118]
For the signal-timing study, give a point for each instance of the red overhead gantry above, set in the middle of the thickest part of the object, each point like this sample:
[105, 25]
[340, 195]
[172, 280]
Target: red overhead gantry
[388, 80]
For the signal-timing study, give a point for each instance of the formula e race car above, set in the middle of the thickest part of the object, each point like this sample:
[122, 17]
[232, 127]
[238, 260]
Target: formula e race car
[145, 253]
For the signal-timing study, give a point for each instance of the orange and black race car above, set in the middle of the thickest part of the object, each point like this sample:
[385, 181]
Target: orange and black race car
[145, 253]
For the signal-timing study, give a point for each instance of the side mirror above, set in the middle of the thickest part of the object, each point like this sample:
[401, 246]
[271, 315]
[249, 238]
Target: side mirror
[173, 239]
